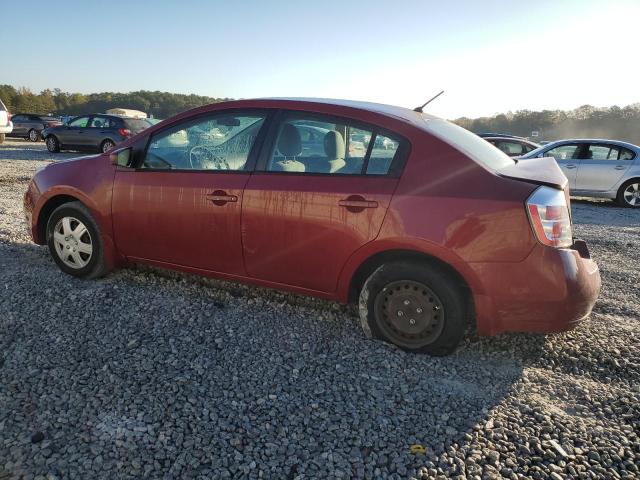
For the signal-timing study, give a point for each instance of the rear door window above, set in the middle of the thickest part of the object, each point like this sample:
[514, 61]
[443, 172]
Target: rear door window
[315, 144]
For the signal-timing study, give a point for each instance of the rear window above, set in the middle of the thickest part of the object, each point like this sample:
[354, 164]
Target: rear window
[137, 124]
[468, 143]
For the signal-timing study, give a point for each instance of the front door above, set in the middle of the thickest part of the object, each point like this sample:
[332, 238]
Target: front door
[74, 133]
[567, 156]
[601, 167]
[182, 205]
[308, 211]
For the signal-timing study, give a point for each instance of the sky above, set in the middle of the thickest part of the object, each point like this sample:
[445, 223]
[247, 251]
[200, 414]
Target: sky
[489, 56]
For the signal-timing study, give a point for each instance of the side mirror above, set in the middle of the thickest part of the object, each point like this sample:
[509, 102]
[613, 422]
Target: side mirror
[121, 158]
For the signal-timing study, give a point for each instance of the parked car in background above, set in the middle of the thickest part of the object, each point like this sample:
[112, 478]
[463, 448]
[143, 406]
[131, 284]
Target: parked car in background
[6, 126]
[96, 132]
[597, 168]
[30, 126]
[434, 231]
[510, 144]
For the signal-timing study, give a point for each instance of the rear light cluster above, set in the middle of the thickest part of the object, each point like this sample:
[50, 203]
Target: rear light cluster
[125, 132]
[549, 215]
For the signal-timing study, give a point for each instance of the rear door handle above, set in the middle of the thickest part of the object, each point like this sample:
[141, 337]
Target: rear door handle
[356, 203]
[220, 197]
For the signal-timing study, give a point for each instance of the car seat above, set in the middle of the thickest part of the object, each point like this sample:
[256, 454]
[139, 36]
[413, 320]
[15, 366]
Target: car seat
[289, 145]
[334, 149]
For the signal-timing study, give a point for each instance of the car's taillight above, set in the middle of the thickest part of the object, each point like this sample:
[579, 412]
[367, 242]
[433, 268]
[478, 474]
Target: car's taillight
[125, 132]
[549, 215]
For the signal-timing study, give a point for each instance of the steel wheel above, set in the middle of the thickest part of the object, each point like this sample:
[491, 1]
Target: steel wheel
[631, 194]
[107, 145]
[412, 314]
[33, 135]
[73, 242]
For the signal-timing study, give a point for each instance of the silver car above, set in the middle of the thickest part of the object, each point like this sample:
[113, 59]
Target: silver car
[597, 168]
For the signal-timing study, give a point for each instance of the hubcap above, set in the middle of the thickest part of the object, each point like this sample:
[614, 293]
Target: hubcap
[73, 242]
[631, 194]
[33, 135]
[106, 146]
[410, 313]
[51, 143]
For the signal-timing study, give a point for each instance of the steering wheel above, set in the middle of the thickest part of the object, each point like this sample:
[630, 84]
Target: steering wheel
[201, 158]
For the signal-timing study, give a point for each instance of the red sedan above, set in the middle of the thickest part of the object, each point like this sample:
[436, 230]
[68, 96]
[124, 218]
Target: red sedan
[424, 225]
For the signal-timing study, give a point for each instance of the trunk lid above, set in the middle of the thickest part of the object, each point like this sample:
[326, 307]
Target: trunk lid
[539, 171]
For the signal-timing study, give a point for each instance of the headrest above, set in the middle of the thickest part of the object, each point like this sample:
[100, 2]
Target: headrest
[289, 143]
[334, 145]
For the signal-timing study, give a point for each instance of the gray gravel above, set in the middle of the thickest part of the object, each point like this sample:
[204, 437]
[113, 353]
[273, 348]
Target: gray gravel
[153, 374]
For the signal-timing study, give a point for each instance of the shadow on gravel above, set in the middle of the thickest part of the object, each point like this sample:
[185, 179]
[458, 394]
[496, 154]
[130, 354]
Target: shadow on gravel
[166, 373]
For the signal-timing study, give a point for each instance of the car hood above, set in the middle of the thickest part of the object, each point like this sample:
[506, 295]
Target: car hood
[539, 171]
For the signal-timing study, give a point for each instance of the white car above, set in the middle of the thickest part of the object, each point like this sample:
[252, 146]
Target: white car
[6, 126]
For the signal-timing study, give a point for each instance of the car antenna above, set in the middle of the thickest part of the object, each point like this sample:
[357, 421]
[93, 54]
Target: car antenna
[419, 109]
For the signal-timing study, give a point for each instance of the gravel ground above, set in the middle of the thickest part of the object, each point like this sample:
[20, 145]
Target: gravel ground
[152, 374]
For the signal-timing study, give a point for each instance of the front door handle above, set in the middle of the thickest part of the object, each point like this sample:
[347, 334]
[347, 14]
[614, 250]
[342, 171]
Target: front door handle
[220, 197]
[621, 167]
[569, 167]
[357, 203]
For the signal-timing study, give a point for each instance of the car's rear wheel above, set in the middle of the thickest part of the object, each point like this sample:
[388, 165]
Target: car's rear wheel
[52, 144]
[75, 242]
[34, 136]
[418, 307]
[629, 194]
[107, 145]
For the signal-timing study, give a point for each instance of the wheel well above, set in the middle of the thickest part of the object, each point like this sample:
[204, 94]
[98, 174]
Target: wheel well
[46, 211]
[372, 263]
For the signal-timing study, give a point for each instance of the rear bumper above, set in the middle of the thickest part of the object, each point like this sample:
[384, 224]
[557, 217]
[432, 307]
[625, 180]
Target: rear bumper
[550, 291]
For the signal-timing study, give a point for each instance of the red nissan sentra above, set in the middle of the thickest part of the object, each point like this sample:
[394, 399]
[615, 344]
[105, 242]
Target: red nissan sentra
[425, 225]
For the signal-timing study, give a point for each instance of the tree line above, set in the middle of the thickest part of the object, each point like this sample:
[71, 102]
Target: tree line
[620, 123]
[157, 104]
[617, 123]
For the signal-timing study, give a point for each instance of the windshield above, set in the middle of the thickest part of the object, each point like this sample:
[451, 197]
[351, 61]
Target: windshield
[468, 143]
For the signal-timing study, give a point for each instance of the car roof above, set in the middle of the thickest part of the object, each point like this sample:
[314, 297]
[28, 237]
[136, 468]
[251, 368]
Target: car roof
[593, 140]
[509, 138]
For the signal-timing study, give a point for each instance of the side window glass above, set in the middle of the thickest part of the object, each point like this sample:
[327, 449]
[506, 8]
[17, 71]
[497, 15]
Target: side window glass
[99, 122]
[220, 142]
[626, 154]
[563, 152]
[511, 148]
[79, 122]
[312, 146]
[602, 152]
[382, 154]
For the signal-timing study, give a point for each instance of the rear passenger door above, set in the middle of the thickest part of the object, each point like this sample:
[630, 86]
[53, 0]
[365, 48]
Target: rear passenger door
[602, 166]
[305, 210]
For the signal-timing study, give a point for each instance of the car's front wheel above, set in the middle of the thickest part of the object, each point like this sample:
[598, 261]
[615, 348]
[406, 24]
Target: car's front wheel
[52, 144]
[418, 307]
[629, 194]
[34, 136]
[75, 242]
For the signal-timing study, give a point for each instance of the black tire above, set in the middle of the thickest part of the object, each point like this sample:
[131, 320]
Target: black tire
[53, 145]
[625, 200]
[95, 266]
[33, 135]
[107, 145]
[441, 303]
